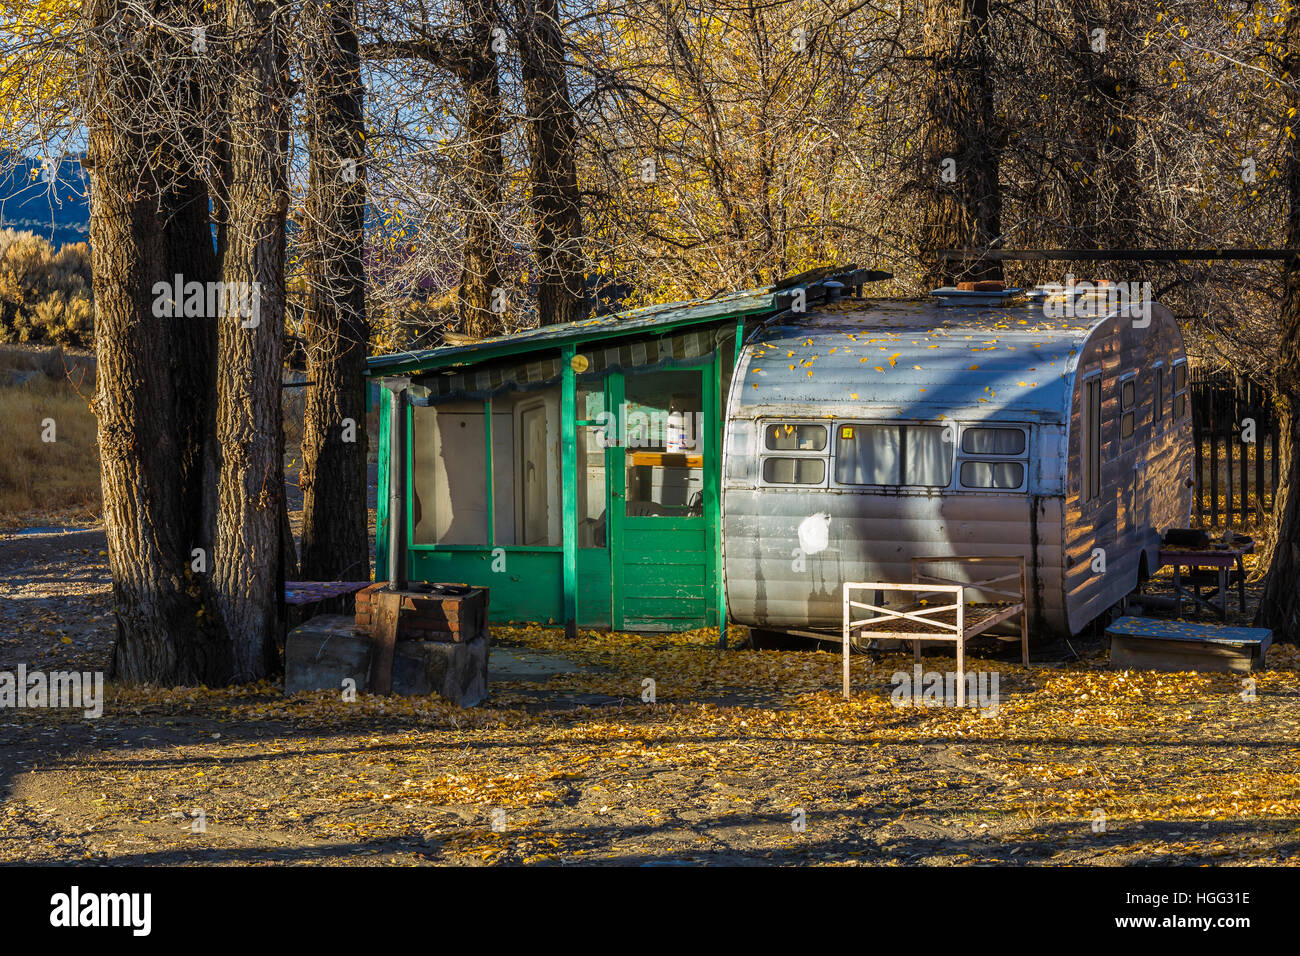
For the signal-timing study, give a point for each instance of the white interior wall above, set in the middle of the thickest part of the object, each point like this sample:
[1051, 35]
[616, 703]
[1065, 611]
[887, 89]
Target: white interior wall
[503, 474]
[448, 470]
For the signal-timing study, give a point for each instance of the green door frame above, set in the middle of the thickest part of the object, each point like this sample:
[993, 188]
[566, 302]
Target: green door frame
[615, 497]
[616, 505]
[569, 486]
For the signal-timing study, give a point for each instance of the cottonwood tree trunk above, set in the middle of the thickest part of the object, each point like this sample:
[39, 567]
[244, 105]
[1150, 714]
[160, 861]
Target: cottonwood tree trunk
[189, 250]
[480, 277]
[473, 61]
[333, 480]
[961, 204]
[1104, 196]
[552, 144]
[248, 576]
[1279, 607]
[1285, 503]
[149, 450]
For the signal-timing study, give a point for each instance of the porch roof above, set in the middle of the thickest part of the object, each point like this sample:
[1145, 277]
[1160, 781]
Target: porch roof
[653, 318]
[817, 284]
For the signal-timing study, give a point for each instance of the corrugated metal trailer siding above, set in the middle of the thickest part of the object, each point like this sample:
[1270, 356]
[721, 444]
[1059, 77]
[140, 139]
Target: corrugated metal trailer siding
[890, 361]
[1143, 478]
[873, 538]
[913, 361]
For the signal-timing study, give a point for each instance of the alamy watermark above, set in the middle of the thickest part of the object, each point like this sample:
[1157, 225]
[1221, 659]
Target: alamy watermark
[636, 427]
[61, 689]
[1074, 299]
[938, 689]
[209, 300]
[133, 911]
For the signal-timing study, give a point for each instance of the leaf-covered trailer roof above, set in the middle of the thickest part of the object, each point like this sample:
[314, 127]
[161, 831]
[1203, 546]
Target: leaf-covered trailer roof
[917, 359]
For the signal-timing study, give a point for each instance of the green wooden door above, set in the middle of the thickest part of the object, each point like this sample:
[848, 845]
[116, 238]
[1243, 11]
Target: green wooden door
[663, 488]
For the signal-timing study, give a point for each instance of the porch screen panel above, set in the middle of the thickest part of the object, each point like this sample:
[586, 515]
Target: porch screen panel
[591, 441]
[537, 483]
[448, 492]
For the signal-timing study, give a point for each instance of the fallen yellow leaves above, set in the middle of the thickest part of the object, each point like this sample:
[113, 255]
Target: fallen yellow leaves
[732, 732]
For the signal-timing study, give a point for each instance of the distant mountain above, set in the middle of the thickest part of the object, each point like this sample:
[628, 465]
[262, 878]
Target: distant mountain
[52, 201]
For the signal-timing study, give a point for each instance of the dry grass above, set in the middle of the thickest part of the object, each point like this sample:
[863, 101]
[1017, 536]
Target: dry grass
[47, 482]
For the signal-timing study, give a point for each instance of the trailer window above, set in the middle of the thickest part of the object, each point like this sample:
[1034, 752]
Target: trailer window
[1158, 401]
[993, 441]
[792, 436]
[1091, 444]
[794, 471]
[907, 455]
[1127, 399]
[998, 475]
[1180, 390]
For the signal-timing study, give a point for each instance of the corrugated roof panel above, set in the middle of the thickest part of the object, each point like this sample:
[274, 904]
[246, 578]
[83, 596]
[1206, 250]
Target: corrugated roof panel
[647, 318]
[911, 359]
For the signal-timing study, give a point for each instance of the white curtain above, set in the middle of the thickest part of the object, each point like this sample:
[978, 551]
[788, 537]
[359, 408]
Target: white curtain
[929, 457]
[993, 441]
[870, 457]
[992, 474]
[875, 456]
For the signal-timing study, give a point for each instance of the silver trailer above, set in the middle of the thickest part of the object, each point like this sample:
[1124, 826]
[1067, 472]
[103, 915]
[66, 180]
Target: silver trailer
[869, 432]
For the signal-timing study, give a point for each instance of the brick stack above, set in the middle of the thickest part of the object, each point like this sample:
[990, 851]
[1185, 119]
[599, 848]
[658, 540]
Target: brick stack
[448, 613]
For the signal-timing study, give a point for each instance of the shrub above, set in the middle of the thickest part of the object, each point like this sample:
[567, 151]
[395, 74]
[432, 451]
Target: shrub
[45, 296]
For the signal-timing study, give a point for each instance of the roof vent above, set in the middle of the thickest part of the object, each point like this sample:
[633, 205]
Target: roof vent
[1074, 295]
[980, 293]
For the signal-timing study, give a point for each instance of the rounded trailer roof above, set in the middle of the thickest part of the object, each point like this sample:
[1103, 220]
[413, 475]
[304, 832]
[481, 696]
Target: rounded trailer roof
[915, 359]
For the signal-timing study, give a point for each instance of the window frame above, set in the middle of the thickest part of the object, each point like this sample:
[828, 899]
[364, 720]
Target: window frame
[1091, 422]
[901, 424]
[830, 456]
[983, 456]
[1128, 411]
[1157, 393]
[1183, 393]
[762, 468]
[963, 456]
[764, 453]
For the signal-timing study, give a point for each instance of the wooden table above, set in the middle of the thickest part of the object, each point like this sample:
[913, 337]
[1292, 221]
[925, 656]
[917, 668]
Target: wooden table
[1223, 559]
[954, 618]
[1150, 644]
[302, 598]
[309, 592]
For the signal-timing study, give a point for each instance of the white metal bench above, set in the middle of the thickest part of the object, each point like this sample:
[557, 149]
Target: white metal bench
[951, 618]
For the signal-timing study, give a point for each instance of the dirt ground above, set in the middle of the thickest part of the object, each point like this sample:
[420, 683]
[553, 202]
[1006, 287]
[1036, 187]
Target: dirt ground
[744, 756]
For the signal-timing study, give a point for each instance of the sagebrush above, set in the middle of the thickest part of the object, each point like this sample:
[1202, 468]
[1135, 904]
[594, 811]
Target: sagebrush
[45, 294]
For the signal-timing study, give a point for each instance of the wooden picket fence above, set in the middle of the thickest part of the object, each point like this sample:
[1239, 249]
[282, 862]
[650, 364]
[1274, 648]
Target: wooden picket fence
[1235, 478]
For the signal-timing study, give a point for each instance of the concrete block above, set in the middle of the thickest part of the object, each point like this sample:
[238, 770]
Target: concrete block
[323, 652]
